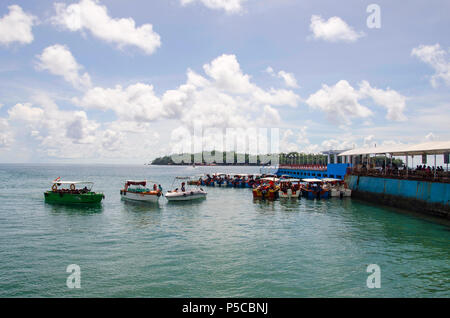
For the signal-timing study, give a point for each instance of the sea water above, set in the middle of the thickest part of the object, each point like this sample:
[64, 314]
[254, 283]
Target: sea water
[227, 245]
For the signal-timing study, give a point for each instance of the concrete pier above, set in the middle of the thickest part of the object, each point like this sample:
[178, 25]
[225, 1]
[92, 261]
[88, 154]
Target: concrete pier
[426, 197]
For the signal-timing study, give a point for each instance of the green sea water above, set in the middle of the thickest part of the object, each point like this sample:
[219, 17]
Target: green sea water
[225, 246]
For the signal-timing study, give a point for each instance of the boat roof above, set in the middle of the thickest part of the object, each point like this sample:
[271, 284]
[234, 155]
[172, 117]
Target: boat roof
[73, 182]
[182, 178]
[290, 180]
[270, 179]
[330, 179]
[312, 180]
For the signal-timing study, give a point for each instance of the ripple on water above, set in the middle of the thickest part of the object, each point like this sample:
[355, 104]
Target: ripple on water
[225, 246]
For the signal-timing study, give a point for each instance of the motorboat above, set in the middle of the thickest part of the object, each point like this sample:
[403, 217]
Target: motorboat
[338, 187]
[267, 189]
[136, 190]
[185, 192]
[290, 188]
[72, 192]
[315, 189]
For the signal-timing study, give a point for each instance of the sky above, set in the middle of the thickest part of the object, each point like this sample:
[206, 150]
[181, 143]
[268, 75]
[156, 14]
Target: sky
[115, 81]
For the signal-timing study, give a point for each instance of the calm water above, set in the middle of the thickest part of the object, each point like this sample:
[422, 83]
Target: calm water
[225, 246]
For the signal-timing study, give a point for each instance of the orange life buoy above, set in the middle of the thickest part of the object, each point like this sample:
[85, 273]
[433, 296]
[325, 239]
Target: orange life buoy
[72, 187]
[54, 187]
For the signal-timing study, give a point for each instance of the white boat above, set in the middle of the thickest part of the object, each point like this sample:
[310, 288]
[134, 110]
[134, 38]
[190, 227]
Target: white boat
[290, 188]
[138, 191]
[185, 192]
[338, 187]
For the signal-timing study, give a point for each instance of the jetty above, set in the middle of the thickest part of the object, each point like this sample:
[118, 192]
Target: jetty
[424, 188]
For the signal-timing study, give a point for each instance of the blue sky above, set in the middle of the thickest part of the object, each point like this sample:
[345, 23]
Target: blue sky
[60, 70]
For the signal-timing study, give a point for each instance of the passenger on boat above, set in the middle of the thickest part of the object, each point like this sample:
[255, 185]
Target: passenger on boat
[183, 189]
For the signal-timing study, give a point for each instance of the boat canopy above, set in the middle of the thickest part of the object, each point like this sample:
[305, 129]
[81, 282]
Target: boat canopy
[72, 182]
[330, 180]
[312, 180]
[183, 178]
[270, 179]
[426, 148]
[290, 180]
[134, 182]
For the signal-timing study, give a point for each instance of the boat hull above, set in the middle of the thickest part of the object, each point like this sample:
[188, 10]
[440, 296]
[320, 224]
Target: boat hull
[337, 193]
[70, 198]
[142, 197]
[185, 196]
[289, 194]
[265, 194]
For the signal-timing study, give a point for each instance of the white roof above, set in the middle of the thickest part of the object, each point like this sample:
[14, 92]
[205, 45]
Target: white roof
[312, 180]
[270, 179]
[290, 180]
[330, 179]
[426, 148]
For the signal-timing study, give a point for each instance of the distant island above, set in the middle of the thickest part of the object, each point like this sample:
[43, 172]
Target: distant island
[254, 160]
[240, 159]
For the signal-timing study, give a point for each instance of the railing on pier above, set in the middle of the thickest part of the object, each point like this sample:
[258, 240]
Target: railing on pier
[304, 167]
[417, 175]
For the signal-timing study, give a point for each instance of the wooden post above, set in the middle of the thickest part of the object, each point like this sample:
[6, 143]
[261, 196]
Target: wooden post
[434, 166]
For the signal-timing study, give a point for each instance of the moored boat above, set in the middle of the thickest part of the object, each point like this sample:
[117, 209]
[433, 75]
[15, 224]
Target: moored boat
[185, 193]
[138, 191]
[267, 189]
[290, 188]
[73, 192]
[315, 189]
[337, 187]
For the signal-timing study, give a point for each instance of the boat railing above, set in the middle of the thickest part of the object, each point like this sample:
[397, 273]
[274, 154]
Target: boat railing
[318, 167]
[407, 174]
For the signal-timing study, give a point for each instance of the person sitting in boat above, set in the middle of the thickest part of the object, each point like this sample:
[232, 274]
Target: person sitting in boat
[159, 187]
[155, 187]
[183, 189]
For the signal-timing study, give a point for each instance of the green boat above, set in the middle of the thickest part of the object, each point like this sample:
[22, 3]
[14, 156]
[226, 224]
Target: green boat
[73, 192]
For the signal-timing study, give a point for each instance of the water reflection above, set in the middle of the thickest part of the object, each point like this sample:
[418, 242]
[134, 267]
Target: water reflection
[138, 206]
[58, 208]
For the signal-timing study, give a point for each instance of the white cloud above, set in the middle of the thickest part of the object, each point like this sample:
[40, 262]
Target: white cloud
[333, 30]
[136, 102]
[394, 102]
[58, 60]
[438, 59]
[26, 113]
[226, 98]
[341, 102]
[229, 6]
[16, 26]
[431, 137]
[92, 16]
[289, 78]
[6, 138]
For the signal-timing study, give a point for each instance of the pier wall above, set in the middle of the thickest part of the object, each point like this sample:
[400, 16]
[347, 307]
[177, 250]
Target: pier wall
[421, 196]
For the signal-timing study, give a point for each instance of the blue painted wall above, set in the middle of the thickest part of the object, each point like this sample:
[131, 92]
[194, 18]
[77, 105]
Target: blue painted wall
[429, 192]
[334, 170]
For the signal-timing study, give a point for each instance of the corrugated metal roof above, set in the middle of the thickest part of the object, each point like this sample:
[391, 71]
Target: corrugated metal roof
[426, 148]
